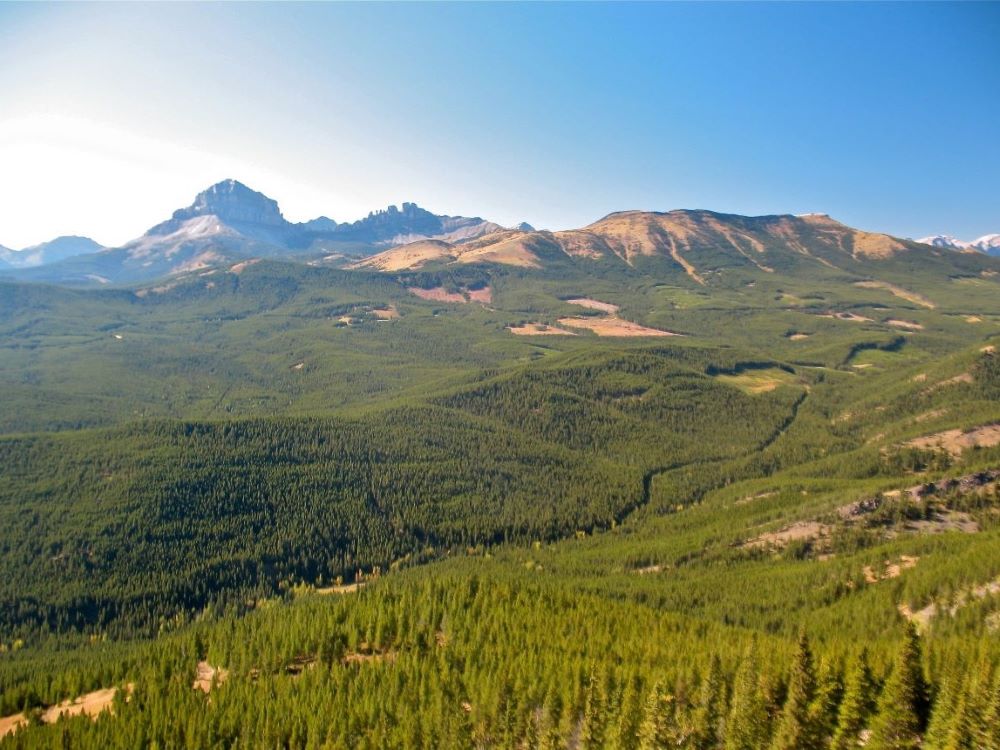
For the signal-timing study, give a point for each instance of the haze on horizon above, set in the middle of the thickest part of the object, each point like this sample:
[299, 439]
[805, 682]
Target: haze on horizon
[884, 116]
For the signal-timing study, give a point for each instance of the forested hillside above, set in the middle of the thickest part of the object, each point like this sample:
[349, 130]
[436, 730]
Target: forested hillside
[287, 506]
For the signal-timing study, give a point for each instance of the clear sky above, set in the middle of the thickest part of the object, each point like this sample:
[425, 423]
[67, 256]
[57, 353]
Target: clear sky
[886, 116]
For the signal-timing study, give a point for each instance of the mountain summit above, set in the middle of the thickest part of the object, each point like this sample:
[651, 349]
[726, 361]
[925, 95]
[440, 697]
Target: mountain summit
[232, 201]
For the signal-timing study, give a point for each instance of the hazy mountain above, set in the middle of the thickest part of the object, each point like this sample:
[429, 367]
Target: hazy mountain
[230, 222]
[48, 252]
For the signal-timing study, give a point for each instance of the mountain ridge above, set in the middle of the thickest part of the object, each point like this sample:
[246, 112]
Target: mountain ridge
[229, 223]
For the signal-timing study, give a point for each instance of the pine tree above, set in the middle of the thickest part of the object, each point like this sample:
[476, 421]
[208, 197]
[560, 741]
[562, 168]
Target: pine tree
[654, 731]
[705, 720]
[823, 710]
[795, 730]
[747, 727]
[856, 706]
[624, 735]
[902, 709]
[945, 703]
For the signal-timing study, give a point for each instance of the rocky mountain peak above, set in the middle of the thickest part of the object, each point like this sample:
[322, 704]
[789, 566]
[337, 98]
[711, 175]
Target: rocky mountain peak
[232, 201]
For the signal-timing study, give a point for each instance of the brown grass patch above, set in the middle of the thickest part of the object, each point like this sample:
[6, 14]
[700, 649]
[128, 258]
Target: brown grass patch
[91, 704]
[973, 319]
[613, 326]
[538, 329]
[242, 266]
[513, 250]
[873, 245]
[387, 313]
[593, 304]
[9, 724]
[437, 294]
[898, 291]
[483, 296]
[410, 256]
[957, 441]
[797, 336]
[798, 531]
[909, 325]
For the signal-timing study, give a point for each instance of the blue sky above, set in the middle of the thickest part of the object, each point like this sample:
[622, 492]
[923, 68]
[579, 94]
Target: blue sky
[886, 116]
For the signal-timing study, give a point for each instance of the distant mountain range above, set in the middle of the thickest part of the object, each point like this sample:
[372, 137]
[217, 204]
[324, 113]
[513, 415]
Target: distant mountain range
[229, 223]
[702, 244]
[988, 243]
[58, 249]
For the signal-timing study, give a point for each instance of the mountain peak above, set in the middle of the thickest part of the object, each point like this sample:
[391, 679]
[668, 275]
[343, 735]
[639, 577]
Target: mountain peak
[232, 201]
[943, 240]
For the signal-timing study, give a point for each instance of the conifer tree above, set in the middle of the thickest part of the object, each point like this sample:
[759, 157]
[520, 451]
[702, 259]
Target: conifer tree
[747, 727]
[856, 705]
[654, 731]
[594, 706]
[705, 719]
[795, 729]
[902, 708]
[624, 735]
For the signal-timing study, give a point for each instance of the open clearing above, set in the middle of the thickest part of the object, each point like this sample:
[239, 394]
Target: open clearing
[206, 675]
[848, 316]
[890, 569]
[798, 531]
[437, 294]
[909, 325]
[758, 381]
[898, 291]
[483, 295]
[922, 617]
[957, 441]
[539, 329]
[613, 326]
[346, 588]
[797, 336]
[386, 313]
[593, 304]
[91, 704]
